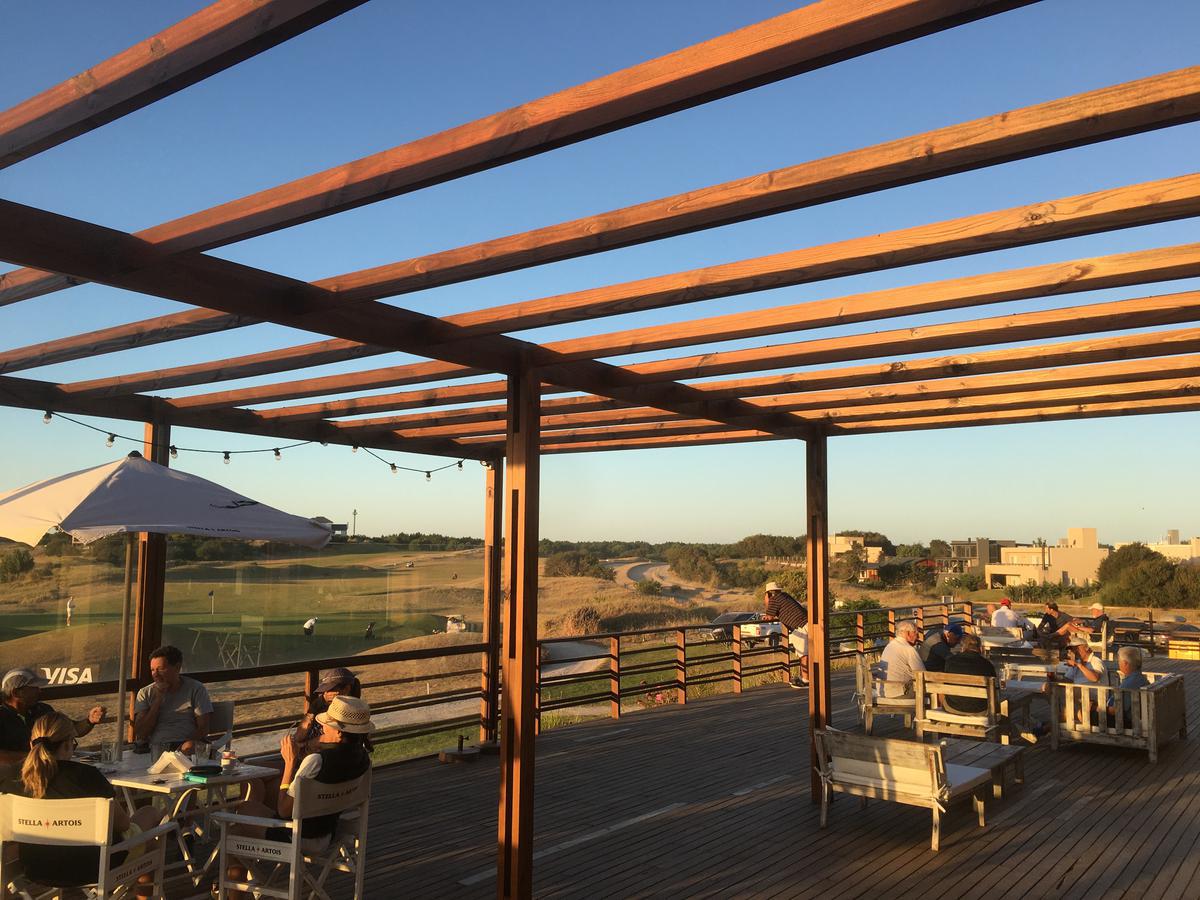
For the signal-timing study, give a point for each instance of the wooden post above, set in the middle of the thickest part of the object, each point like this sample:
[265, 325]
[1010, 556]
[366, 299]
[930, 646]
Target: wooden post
[514, 866]
[614, 676]
[152, 567]
[860, 632]
[820, 705]
[493, 526]
[681, 666]
[919, 613]
[891, 613]
[737, 659]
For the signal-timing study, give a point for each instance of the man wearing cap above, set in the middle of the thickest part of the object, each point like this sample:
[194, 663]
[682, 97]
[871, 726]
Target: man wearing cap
[1100, 625]
[1086, 667]
[21, 706]
[936, 648]
[335, 682]
[1007, 617]
[784, 608]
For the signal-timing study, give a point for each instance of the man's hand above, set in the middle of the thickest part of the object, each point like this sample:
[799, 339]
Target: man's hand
[96, 714]
[187, 747]
[287, 749]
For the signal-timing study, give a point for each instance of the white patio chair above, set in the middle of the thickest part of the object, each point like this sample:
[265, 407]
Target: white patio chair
[85, 822]
[267, 861]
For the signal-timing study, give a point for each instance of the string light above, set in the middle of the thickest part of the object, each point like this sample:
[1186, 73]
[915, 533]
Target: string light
[278, 455]
[174, 452]
[429, 476]
[354, 449]
[111, 439]
[47, 417]
[226, 457]
[460, 465]
[395, 469]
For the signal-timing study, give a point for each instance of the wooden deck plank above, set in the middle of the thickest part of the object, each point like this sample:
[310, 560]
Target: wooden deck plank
[674, 802]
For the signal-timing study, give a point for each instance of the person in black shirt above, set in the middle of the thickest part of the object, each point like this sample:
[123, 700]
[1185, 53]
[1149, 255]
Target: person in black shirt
[782, 606]
[937, 646]
[1056, 628]
[968, 661]
[49, 772]
[21, 706]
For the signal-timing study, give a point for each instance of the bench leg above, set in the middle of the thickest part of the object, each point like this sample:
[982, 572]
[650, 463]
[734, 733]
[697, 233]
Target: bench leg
[937, 826]
[825, 790]
[978, 798]
[998, 784]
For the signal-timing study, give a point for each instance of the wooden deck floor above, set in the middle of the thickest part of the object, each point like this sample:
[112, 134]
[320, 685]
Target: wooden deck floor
[712, 800]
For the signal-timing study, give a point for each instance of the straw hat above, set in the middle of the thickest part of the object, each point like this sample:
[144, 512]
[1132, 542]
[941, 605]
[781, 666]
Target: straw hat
[348, 714]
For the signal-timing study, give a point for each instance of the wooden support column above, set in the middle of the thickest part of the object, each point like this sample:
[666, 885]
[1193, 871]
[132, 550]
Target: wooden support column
[514, 867]
[820, 705]
[152, 567]
[493, 526]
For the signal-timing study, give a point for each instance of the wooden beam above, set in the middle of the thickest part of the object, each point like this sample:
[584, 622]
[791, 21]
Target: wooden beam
[1048, 414]
[151, 566]
[493, 596]
[1067, 217]
[514, 863]
[121, 260]
[820, 703]
[805, 39]
[29, 394]
[1074, 276]
[210, 41]
[1015, 359]
[664, 441]
[1143, 312]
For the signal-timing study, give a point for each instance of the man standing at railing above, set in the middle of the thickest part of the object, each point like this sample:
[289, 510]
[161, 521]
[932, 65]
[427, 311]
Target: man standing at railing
[786, 609]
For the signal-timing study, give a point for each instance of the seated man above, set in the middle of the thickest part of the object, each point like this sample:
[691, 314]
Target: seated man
[936, 648]
[1099, 623]
[1056, 629]
[21, 706]
[1129, 662]
[900, 662]
[1007, 617]
[172, 712]
[1086, 667]
[341, 757]
[969, 660]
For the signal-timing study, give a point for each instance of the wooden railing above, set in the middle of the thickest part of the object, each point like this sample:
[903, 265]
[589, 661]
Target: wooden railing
[452, 684]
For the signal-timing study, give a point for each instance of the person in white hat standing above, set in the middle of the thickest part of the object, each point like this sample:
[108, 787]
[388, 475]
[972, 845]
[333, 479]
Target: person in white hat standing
[786, 609]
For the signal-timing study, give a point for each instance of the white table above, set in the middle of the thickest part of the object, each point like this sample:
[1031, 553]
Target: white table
[131, 778]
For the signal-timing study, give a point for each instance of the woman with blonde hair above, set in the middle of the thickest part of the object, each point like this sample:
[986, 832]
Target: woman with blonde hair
[49, 772]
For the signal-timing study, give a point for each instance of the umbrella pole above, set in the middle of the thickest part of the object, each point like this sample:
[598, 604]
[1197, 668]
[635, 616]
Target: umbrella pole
[124, 658]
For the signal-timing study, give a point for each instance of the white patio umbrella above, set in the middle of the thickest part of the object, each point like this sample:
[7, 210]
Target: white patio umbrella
[132, 495]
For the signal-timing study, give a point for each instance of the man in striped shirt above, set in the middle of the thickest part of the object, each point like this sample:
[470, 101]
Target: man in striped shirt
[782, 606]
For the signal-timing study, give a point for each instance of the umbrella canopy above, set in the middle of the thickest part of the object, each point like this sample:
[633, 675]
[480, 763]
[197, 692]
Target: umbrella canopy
[134, 494]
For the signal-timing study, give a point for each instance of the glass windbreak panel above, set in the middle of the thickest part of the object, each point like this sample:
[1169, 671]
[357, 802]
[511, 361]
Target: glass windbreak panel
[60, 608]
[235, 604]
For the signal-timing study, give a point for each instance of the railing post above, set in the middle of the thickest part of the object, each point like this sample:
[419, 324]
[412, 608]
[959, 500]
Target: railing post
[891, 614]
[681, 666]
[537, 692]
[968, 609]
[614, 676]
[737, 659]
[311, 679]
[919, 612]
[860, 632]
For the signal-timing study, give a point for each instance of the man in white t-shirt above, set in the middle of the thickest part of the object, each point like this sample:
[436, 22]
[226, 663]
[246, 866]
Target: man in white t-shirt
[1086, 667]
[70, 609]
[901, 661]
[1007, 617]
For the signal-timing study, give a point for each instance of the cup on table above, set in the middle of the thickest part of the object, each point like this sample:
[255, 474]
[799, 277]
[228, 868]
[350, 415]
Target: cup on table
[108, 754]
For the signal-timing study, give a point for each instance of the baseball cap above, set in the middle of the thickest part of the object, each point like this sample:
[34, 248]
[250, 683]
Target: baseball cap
[1005, 602]
[955, 629]
[333, 678]
[1078, 641]
[1099, 606]
[772, 586]
[19, 678]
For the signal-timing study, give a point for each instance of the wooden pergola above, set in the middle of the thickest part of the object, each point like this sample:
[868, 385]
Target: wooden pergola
[563, 397]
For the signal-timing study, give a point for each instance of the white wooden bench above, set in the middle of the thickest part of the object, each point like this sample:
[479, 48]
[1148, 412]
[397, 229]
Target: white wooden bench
[932, 716]
[1156, 714]
[869, 684]
[899, 771]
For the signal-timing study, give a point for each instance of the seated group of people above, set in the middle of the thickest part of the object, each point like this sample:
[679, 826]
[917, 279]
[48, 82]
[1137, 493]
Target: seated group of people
[950, 649]
[329, 745]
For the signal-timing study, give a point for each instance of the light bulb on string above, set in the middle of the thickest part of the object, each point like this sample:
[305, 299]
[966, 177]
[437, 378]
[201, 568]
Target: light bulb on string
[395, 469]
[429, 476]
[47, 417]
[278, 455]
[174, 452]
[226, 457]
[111, 439]
[460, 465]
[354, 449]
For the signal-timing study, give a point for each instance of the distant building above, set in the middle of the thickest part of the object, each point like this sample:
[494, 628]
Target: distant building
[1173, 548]
[337, 530]
[844, 543]
[1073, 560]
[870, 571]
[970, 557]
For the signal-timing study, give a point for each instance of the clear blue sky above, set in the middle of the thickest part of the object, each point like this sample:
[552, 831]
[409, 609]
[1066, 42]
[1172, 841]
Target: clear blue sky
[390, 72]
